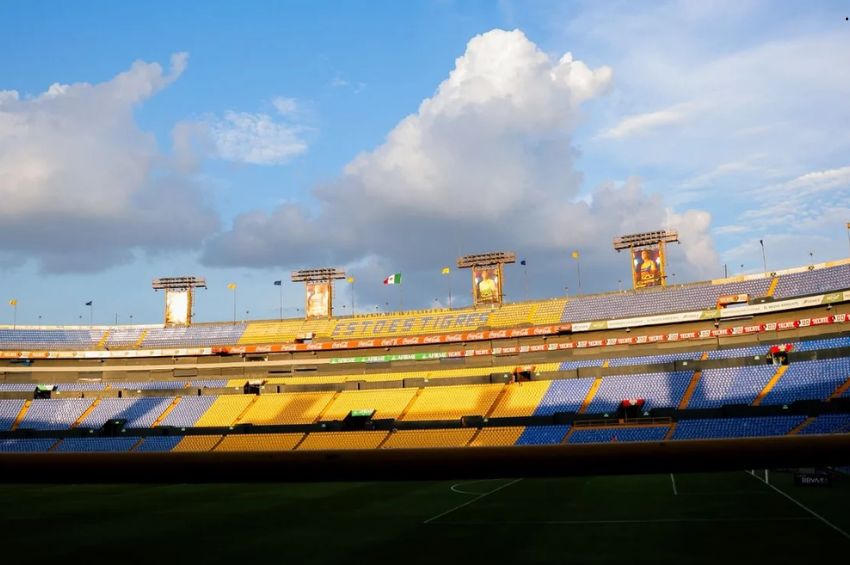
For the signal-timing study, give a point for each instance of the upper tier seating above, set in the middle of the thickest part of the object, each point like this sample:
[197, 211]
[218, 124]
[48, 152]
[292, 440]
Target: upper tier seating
[193, 336]
[813, 282]
[188, 411]
[657, 300]
[288, 408]
[54, 339]
[730, 385]
[453, 402]
[564, 396]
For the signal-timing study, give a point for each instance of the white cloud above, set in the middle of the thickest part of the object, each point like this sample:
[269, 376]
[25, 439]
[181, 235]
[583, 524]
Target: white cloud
[640, 124]
[257, 139]
[285, 106]
[485, 163]
[82, 187]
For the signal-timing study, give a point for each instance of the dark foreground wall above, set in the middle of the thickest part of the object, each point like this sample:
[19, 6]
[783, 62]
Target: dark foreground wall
[415, 464]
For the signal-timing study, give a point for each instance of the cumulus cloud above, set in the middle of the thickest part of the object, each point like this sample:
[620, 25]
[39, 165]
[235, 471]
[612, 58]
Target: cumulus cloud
[82, 186]
[258, 138]
[486, 163]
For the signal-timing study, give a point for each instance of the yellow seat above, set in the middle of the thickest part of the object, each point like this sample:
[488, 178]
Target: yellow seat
[196, 443]
[342, 440]
[497, 436]
[287, 408]
[224, 411]
[388, 403]
[259, 442]
[429, 438]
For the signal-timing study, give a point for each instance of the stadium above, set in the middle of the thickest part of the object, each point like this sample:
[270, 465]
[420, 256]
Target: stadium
[671, 388]
[424, 282]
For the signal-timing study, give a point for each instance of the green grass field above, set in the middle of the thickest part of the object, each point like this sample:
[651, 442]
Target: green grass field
[717, 518]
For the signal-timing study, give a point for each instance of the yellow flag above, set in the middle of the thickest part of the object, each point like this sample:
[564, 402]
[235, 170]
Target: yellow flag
[446, 270]
[350, 280]
[575, 255]
[13, 302]
[232, 286]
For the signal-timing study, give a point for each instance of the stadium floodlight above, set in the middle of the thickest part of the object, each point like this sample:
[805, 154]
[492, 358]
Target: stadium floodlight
[317, 275]
[486, 259]
[179, 283]
[179, 293]
[319, 290]
[645, 239]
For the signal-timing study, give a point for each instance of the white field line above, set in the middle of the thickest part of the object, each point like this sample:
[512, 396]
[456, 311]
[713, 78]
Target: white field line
[673, 481]
[804, 507]
[468, 502]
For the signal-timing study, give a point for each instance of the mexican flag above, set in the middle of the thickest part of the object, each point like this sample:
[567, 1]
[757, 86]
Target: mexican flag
[393, 279]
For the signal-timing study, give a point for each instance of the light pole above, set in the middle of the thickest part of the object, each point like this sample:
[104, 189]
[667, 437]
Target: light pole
[763, 256]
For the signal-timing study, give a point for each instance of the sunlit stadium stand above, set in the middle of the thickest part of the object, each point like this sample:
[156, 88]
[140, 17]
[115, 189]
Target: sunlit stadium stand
[828, 424]
[699, 296]
[139, 412]
[200, 335]
[564, 396]
[657, 389]
[49, 339]
[224, 411]
[196, 443]
[521, 399]
[731, 385]
[188, 411]
[813, 282]
[453, 402]
[387, 403]
[507, 435]
[286, 408]
[54, 414]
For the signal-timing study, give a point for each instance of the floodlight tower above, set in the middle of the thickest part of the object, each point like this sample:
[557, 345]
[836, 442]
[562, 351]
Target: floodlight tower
[646, 251]
[179, 296]
[318, 285]
[487, 275]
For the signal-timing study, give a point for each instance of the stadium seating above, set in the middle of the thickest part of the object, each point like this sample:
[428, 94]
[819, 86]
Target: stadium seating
[193, 336]
[25, 445]
[563, 396]
[387, 403]
[542, 435]
[809, 380]
[657, 389]
[828, 424]
[342, 440]
[408, 439]
[188, 411]
[654, 359]
[698, 296]
[736, 427]
[44, 414]
[9, 410]
[139, 412]
[604, 435]
[453, 402]
[287, 408]
[158, 444]
[489, 437]
[813, 282]
[196, 443]
[256, 442]
[521, 399]
[735, 352]
[96, 444]
[55, 339]
[730, 385]
[225, 410]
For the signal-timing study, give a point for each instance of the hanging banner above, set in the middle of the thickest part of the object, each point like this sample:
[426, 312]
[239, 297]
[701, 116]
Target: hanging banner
[317, 302]
[487, 285]
[647, 267]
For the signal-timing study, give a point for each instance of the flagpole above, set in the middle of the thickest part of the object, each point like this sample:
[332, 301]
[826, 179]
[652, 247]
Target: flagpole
[400, 297]
[234, 306]
[91, 314]
[525, 271]
[281, 300]
[578, 271]
[352, 298]
[450, 288]
[14, 314]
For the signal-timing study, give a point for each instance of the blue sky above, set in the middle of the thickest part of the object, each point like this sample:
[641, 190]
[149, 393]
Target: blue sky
[241, 141]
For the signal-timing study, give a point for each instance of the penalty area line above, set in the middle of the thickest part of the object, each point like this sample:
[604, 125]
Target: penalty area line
[468, 502]
[801, 505]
